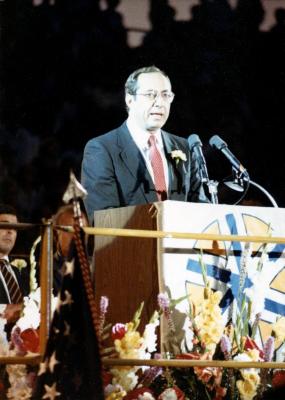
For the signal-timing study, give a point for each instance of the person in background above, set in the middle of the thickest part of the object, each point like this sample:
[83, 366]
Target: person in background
[13, 286]
[14, 282]
[138, 162]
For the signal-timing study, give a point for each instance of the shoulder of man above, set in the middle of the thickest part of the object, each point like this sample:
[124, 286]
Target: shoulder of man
[178, 141]
[108, 137]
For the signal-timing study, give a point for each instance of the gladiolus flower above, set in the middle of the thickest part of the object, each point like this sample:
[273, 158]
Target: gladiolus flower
[118, 331]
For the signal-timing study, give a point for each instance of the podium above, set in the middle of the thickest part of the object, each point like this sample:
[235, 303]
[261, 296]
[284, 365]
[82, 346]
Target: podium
[131, 270]
[126, 268]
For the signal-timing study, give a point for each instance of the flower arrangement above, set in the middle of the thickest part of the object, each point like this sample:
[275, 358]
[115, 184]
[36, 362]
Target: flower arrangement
[206, 338]
[23, 320]
[178, 155]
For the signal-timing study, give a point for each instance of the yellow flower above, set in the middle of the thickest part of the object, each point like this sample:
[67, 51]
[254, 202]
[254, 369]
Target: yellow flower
[246, 388]
[216, 297]
[253, 354]
[117, 395]
[278, 329]
[209, 321]
[251, 374]
[19, 263]
[129, 345]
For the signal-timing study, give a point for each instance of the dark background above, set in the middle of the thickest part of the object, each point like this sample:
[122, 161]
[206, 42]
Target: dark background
[63, 68]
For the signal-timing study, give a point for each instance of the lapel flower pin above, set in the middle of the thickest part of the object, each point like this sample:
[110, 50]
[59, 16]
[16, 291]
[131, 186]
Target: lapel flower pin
[178, 155]
[19, 263]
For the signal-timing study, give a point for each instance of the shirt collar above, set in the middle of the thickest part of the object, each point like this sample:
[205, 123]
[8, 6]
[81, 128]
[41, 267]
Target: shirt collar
[141, 137]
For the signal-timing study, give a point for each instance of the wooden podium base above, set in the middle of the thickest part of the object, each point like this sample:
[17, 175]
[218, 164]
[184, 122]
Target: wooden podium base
[125, 268]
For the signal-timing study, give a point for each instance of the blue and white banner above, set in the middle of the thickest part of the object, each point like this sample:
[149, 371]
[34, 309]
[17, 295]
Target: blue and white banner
[180, 268]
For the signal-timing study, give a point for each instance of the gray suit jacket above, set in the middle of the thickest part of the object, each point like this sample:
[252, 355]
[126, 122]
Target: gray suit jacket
[114, 172]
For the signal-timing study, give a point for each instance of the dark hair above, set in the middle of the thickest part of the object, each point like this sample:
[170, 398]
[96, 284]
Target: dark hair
[131, 84]
[7, 209]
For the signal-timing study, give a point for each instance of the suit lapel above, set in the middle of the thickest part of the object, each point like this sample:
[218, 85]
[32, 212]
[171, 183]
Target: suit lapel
[134, 161]
[177, 172]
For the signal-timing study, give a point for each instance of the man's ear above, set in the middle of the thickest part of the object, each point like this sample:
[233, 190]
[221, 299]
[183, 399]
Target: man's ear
[129, 99]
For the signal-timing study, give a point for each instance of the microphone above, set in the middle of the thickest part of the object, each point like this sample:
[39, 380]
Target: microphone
[195, 145]
[219, 144]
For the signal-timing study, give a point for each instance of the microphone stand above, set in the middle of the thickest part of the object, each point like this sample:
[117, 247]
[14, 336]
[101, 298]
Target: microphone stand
[238, 182]
[265, 192]
[213, 190]
[212, 185]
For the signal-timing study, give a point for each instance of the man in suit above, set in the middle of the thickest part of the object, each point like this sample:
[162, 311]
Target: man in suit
[119, 168]
[12, 287]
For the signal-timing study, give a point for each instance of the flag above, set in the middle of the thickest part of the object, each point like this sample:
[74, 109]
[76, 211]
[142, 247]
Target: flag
[71, 368]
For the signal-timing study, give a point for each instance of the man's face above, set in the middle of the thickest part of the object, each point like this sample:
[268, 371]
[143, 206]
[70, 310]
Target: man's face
[7, 236]
[147, 113]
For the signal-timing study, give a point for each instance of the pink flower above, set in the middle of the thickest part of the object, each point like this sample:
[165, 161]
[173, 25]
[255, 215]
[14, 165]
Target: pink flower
[163, 301]
[269, 349]
[104, 303]
[226, 346]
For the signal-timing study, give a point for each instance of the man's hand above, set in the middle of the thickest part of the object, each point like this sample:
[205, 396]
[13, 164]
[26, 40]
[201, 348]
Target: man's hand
[12, 312]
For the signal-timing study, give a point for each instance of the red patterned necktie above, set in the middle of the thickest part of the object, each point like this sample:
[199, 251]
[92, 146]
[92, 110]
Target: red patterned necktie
[11, 283]
[157, 167]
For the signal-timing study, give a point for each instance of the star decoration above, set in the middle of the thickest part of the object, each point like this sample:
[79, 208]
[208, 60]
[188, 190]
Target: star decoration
[69, 268]
[42, 369]
[51, 392]
[52, 362]
[59, 304]
[68, 298]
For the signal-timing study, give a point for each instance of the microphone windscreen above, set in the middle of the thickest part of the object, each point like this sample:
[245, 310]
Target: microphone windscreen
[234, 185]
[193, 140]
[217, 142]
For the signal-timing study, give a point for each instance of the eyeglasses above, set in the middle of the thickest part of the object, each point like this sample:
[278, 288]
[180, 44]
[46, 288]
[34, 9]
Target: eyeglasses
[152, 96]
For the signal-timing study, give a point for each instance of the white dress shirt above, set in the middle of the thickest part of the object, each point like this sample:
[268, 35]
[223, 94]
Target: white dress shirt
[141, 138]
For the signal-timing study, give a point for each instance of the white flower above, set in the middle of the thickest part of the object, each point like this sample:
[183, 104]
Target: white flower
[178, 155]
[19, 263]
[20, 388]
[150, 336]
[242, 357]
[4, 345]
[187, 342]
[146, 396]
[109, 389]
[257, 292]
[31, 315]
[251, 355]
[169, 394]
[126, 378]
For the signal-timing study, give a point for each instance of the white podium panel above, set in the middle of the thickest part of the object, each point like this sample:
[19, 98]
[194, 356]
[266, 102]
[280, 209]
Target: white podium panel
[179, 259]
